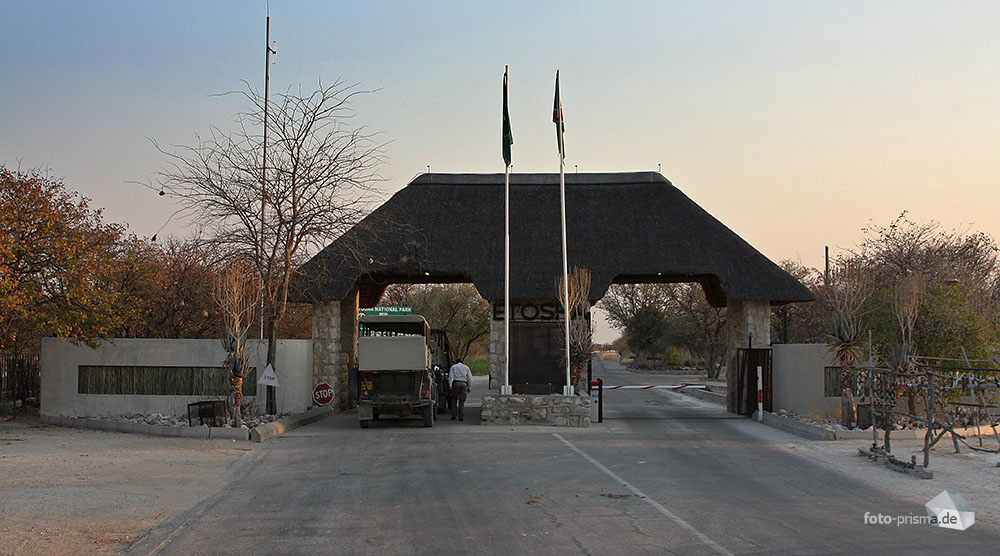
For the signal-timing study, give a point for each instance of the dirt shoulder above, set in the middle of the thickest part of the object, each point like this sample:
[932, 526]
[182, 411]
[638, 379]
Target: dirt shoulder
[78, 491]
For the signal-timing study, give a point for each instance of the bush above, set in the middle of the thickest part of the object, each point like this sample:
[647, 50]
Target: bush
[672, 356]
[480, 366]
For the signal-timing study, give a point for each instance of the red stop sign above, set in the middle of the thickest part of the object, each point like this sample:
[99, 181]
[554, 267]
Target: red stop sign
[323, 394]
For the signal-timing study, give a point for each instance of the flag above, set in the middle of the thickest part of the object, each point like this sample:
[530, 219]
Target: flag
[557, 118]
[507, 137]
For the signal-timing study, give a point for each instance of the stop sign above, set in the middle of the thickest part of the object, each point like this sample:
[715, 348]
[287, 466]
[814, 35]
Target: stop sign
[323, 394]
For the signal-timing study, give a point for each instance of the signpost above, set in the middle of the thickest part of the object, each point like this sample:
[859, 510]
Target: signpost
[323, 394]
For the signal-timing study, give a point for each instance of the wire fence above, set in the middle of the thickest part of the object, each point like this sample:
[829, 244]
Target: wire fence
[20, 380]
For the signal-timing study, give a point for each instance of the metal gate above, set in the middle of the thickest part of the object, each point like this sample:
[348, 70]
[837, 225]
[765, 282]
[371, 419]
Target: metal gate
[747, 361]
[20, 378]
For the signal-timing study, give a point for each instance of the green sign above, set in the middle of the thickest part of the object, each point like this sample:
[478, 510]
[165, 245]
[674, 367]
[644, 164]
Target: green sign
[383, 311]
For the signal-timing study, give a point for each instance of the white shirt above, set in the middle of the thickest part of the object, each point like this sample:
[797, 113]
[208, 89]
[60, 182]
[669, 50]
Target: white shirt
[460, 371]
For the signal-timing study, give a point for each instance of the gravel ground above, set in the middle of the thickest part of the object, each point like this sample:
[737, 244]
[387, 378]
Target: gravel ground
[77, 491]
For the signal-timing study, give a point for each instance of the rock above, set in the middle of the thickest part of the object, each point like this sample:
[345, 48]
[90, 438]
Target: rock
[783, 412]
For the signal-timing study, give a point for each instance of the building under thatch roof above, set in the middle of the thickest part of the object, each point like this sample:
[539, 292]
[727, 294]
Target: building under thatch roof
[624, 227]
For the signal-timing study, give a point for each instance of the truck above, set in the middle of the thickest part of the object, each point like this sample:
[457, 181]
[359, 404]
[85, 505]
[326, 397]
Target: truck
[395, 375]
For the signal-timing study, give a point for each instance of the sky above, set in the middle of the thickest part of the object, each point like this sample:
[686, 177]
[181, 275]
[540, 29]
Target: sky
[796, 124]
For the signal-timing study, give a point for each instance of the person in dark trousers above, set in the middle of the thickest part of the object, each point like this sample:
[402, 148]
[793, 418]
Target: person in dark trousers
[460, 379]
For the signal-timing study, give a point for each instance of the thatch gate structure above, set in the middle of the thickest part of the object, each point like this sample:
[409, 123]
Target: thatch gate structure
[623, 227]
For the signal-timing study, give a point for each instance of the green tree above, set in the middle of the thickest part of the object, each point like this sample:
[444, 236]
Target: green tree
[55, 252]
[456, 308]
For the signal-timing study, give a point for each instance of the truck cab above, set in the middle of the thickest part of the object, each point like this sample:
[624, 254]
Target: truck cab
[395, 374]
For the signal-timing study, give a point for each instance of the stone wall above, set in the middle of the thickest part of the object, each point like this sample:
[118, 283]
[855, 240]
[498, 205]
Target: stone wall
[335, 345]
[556, 410]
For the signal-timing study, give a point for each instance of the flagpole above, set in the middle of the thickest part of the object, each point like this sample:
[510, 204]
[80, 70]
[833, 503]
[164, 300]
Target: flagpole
[568, 388]
[506, 284]
[506, 140]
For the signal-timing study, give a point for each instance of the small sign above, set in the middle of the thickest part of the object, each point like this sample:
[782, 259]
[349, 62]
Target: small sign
[323, 394]
[268, 378]
[387, 310]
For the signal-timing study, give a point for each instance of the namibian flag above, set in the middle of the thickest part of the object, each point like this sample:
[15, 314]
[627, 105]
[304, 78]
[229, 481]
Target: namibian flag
[557, 118]
[508, 137]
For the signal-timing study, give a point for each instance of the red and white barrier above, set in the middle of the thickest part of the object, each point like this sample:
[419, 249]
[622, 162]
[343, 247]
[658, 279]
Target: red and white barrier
[655, 387]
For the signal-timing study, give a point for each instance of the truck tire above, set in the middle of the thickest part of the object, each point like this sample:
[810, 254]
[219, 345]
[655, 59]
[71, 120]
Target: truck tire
[428, 415]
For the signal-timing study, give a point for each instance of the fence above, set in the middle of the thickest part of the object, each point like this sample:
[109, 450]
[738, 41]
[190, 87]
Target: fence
[20, 379]
[953, 395]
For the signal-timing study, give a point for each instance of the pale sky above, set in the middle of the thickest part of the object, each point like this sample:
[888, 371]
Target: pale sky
[794, 123]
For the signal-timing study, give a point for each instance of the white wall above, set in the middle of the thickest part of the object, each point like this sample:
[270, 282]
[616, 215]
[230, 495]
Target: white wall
[797, 378]
[61, 358]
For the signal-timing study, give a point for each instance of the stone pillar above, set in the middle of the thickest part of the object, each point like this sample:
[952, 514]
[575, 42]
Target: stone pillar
[746, 320]
[335, 344]
[496, 352]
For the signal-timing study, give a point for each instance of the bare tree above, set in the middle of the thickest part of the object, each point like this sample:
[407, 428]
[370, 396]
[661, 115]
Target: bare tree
[236, 296]
[580, 333]
[320, 180]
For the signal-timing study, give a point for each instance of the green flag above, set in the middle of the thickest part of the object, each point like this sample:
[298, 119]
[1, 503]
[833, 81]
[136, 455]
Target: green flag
[508, 137]
[557, 118]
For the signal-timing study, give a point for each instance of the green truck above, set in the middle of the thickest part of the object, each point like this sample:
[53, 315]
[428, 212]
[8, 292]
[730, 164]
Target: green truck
[395, 374]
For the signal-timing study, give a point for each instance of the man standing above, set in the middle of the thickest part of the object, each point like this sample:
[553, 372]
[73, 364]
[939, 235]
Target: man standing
[459, 378]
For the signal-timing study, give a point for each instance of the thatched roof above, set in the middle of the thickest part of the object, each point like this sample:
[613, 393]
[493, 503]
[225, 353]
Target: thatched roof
[627, 227]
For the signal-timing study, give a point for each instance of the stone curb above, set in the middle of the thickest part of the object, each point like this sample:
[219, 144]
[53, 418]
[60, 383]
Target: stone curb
[227, 433]
[907, 434]
[706, 395]
[285, 424]
[804, 430]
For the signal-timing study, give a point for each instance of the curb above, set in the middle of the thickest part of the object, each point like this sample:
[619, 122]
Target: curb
[227, 433]
[809, 432]
[706, 395]
[285, 424]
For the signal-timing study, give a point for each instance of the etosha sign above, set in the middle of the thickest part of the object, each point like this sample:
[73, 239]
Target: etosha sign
[323, 394]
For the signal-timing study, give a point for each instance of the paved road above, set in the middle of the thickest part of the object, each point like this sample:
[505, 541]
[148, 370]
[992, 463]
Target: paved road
[663, 474]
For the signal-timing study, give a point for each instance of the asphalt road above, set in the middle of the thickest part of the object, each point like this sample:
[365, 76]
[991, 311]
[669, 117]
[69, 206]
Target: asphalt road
[665, 474]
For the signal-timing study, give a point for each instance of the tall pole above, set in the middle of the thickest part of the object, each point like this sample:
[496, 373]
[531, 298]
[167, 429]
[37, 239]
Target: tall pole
[557, 117]
[568, 389]
[271, 401]
[506, 284]
[507, 139]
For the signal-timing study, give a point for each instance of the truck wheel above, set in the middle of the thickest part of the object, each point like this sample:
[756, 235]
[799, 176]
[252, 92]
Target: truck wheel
[428, 415]
[365, 423]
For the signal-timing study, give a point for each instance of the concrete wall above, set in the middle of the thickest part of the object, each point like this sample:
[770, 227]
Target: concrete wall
[60, 359]
[798, 378]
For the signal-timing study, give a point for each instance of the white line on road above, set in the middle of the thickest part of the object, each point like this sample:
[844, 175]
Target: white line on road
[673, 517]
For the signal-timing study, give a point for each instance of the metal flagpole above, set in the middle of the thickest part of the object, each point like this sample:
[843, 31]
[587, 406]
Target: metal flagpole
[507, 140]
[506, 389]
[568, 388]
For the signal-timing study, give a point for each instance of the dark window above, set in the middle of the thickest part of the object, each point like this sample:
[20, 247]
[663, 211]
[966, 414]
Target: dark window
[831, 382]
[160, 381]
[536, 349]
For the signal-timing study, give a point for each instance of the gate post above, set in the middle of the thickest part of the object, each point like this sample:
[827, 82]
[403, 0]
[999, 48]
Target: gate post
[748, 321]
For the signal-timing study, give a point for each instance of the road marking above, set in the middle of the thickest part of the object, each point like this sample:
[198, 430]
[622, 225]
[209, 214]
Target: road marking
[673, 517]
